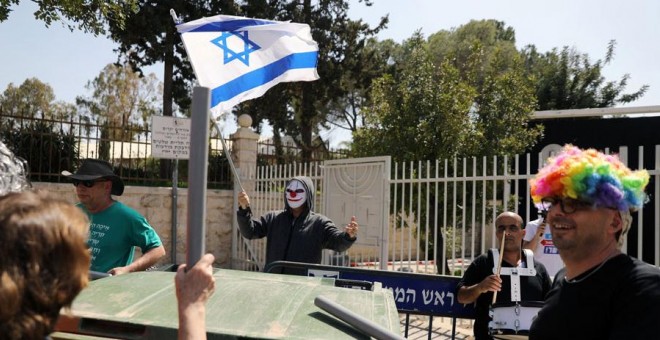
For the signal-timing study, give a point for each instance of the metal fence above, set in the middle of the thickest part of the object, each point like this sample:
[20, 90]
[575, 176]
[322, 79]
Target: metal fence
[442, 213]
[267, 153]
[50, 146]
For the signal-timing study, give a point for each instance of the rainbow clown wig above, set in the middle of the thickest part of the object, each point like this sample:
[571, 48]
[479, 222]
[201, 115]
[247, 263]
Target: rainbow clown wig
[590, 176]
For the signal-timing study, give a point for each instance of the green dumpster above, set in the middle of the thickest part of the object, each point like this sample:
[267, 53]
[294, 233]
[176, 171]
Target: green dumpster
[245, 305]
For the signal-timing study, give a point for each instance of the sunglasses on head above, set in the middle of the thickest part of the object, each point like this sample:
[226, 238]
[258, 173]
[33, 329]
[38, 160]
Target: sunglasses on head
[87, 183]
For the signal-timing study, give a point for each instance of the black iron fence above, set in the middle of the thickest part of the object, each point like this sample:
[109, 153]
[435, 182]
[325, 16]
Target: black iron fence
[52, 145]
[289, 152]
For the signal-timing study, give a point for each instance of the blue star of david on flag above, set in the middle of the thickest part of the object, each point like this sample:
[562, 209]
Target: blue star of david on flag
[270, 52]
[229, 55]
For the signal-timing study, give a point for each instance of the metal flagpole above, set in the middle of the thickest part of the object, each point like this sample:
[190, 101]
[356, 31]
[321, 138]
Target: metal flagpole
[197, 171]
[228, 155]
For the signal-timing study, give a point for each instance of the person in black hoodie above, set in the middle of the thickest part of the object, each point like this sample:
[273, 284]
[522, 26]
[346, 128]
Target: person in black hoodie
[297, 233]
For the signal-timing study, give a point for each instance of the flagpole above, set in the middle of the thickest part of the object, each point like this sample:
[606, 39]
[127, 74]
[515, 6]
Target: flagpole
[228, 155]
[197, 175]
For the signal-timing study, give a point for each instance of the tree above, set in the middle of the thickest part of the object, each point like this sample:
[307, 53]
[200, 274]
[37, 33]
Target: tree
[435, 111]
[568, 79]
[150, 37]
[120, 98]
[429, 110]
[298, 109]
[88, 15]
[33, 99]
[411, 109]
[486, 37]
[370, 60]
[31, 125]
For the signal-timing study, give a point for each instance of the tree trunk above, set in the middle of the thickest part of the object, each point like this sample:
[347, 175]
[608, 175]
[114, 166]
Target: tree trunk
[307, 114]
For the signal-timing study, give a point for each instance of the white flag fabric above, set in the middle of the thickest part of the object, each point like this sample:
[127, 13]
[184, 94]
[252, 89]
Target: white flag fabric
[241, 58]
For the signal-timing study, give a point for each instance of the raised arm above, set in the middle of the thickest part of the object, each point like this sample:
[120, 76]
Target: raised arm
[193, 289]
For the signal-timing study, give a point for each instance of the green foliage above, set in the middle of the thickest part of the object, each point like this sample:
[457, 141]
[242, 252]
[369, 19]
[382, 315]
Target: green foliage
[33, 99]
[149, 36]
[31, 126]
[568, 79]
[503, 110]
[473, 101]
[121, 102]
[86, 15]
[298, 109]
[120, 96]
[436, 111]
[484, 37]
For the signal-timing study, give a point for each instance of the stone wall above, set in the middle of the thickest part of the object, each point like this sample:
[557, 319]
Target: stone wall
[155, 203]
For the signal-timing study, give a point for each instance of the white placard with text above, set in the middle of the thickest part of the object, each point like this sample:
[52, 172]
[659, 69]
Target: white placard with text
[170, 137]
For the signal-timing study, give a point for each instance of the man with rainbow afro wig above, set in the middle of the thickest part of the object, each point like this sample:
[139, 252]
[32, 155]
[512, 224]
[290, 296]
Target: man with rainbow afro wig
[601, 293]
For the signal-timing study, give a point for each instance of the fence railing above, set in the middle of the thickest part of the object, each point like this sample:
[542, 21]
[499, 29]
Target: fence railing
[442, 212]
[267, 153]
[51, 145]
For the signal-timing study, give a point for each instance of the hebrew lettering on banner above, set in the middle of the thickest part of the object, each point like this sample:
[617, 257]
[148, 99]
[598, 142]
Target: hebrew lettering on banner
[432, 294]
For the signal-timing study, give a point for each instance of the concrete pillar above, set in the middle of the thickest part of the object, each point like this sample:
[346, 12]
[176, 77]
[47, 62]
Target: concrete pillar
[244, 152]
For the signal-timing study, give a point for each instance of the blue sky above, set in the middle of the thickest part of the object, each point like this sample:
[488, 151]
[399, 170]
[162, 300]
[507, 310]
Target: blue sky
[68, 60]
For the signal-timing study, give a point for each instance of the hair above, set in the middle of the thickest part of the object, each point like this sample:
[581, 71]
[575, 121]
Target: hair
[44, 262]
[590, 176]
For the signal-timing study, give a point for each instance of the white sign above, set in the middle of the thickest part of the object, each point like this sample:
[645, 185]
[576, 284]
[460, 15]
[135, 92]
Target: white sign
[170, 137]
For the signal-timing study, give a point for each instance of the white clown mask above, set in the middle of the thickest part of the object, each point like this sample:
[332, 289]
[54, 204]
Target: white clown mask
[296, 195]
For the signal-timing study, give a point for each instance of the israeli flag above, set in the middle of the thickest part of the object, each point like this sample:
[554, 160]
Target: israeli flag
[241, 58]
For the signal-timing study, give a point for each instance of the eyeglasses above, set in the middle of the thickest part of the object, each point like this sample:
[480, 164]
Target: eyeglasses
[567, 205]
[87, 183]
[512, 228]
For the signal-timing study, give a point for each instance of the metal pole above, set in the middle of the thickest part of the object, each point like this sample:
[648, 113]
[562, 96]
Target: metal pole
[175, 198]
[361, 323]
[228, 155]
[197, 171]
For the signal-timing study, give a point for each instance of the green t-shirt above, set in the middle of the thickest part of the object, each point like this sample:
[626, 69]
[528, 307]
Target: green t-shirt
[114, 232]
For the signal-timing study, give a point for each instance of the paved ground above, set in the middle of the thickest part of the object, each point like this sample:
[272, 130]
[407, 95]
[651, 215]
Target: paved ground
[418, 328]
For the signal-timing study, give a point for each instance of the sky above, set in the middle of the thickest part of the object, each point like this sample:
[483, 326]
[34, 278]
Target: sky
[68, 60]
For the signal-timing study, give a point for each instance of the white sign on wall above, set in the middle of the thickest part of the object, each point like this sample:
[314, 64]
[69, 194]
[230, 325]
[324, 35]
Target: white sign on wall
[170, 137]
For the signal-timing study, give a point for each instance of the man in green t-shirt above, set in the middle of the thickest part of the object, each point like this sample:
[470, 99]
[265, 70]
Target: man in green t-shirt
[115, 228]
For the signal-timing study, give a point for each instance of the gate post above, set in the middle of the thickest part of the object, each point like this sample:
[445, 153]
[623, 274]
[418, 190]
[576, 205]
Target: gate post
[244, 152]
[244, 155]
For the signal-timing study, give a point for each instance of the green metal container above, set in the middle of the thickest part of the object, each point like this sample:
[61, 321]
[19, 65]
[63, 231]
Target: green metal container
[245, 305]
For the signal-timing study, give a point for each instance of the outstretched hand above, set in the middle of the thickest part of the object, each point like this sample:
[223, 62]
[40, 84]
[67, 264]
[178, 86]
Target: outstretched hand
[352, 228]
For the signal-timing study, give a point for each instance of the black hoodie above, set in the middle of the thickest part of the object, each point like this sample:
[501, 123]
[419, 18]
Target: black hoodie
[299, 239]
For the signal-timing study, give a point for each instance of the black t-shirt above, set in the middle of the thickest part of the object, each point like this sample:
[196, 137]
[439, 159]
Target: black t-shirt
[618, 300]
[532, 288]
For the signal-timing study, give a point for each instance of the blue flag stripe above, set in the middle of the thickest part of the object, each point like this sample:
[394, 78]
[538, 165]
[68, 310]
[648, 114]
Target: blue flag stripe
[231, 25]
[262, 76]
